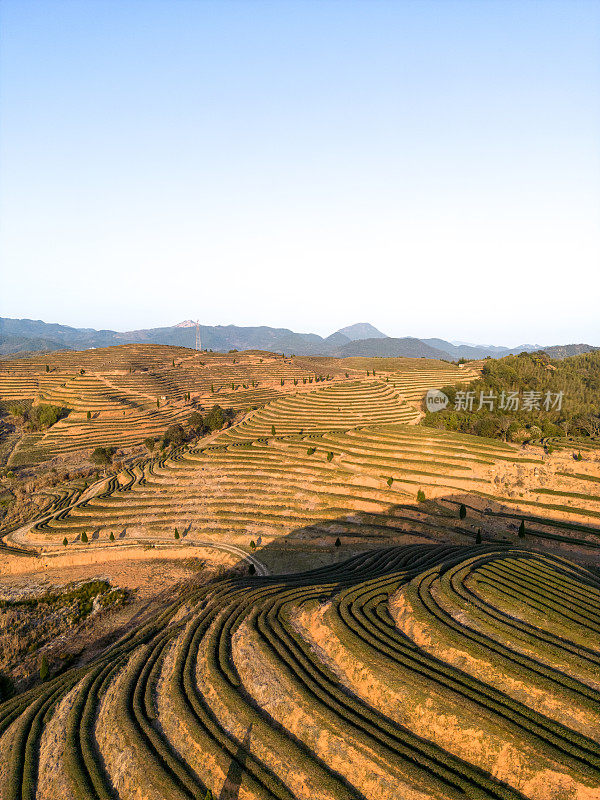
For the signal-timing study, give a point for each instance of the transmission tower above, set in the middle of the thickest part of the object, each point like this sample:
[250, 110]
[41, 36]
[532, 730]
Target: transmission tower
[198, 343]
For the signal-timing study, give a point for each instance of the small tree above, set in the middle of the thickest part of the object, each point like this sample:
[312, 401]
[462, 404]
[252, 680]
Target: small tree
[337, 542]
[103, 456]
[478, 537]
[252, 569]
[176, 533]
[310, 451]
[157, 403]
[44, 415]
[173, 362]
[522, 529]
[421, 496]
[390, 481]
[330, 456]
[462, 511]
[47, 368]
[272, 430]
[65, 541]
[149, 443]
[253, 545]
[196, 421]
[174, 435]
[89, 415]
[112, 536]
[44, 669]
[84, 537]
[215, 419]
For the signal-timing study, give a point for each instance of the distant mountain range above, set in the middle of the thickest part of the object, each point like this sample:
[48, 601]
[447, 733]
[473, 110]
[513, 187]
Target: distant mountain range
[361, 339]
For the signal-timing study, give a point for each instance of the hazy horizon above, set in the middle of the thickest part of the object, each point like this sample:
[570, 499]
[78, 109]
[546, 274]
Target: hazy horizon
[432, 168]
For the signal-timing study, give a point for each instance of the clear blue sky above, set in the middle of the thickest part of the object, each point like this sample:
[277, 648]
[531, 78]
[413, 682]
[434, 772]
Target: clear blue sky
[430, 166]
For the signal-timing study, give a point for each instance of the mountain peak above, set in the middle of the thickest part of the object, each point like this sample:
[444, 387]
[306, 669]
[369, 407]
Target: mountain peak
[187, 323]
[361, 330]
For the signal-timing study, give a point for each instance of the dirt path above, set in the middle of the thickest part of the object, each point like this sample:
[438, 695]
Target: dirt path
[137, 550]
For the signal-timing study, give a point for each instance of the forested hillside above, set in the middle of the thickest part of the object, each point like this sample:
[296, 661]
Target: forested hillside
[528, 396]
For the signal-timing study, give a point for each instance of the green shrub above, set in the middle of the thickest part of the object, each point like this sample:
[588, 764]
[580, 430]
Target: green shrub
[19, 411]
[215, 418]
[112, 536]
[390, 481]
[103, 456]
[84, 537]
[253, 545]
[89, 415]
[150, 443]
[65, 541]
[44, 416]
[196, 421]
[174, 435]
[462, 511]
[330, 456]
[310, 451]
[176, 533]
[421, 496]
[272, 430]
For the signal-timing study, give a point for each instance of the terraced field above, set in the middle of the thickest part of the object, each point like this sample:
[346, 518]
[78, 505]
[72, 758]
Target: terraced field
[119, 396]
[358, 484]
[340, 407]
[446, 658]
[408, 672]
